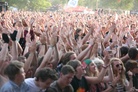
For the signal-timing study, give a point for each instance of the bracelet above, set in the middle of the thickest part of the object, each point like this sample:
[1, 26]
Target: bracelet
[44, 44]
[51, 46]
[105, 66]
[111, 86]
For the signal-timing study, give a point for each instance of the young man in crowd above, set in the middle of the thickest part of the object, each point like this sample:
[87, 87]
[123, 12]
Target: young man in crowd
[16, 75]
[42, 80]
[132, 66]
[63, 83]
[133, 55]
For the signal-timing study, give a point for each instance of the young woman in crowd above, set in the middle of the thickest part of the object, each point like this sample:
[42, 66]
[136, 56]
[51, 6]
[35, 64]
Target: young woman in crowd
[118, 69]
[93, 69]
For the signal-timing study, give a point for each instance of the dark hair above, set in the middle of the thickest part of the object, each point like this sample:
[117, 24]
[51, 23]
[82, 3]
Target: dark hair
[24, 23]
[77, 33]
[66, 69]
[13, 68]
[45, 73]
[123, 51]
[130, 65]
[74, 63]
[132, 53]
[78, 30]
[66, 57]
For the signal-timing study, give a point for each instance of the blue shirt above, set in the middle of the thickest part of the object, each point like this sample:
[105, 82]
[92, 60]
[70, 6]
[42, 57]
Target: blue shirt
[12, 87]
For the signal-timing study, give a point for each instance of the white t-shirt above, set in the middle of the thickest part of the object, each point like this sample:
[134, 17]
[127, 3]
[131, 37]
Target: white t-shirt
[32, 86]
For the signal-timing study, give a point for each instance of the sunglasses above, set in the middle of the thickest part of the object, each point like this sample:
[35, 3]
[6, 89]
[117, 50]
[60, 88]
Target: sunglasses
[118, 65]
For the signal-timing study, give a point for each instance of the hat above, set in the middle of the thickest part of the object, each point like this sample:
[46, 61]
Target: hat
[87, 61]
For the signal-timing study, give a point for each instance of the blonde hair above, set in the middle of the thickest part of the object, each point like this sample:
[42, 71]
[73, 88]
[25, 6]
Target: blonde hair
[89, 73]
[123, 77]
[98, 62]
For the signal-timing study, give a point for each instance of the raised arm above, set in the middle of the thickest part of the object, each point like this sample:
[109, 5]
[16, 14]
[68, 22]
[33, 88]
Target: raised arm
[4, 51]
[14, 49]
[29, 60]
[99, 78]
[111, 29]
[110, 77]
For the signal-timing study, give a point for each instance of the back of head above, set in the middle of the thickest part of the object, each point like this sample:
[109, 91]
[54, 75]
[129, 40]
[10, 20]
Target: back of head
[74, 63]
[130, 65]
[132, 53]
[66, 57]
[98, 62]
[66, 69]
[13, 68]
[22, 59]
[124, 50]
[44, 74]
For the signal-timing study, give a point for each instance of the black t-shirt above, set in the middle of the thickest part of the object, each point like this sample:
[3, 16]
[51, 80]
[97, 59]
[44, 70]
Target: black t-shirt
[79, 85]
[135, 80]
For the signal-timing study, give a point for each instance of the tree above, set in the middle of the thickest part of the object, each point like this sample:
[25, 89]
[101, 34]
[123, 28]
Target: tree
[114, 4]
[135, 5]
[43, 4]
[39, 5]
[88, 3]
[29, 4]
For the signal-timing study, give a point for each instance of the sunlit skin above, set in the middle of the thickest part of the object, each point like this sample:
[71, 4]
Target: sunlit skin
[92, 67]
[73, 56]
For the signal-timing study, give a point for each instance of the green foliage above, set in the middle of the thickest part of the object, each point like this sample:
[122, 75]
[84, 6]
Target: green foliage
[88, 3]
[39, 5]
[115, 4]
[135, 5]
[106, 4]
[43, 4]
[29, 4]
[55, 2]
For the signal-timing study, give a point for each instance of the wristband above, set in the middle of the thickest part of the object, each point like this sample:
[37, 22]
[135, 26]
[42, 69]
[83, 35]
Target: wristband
[51, 46]
[43, 44]
[111, 86]
[105, 66]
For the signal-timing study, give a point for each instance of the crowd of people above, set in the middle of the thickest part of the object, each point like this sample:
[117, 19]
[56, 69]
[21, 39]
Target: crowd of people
[68, 52]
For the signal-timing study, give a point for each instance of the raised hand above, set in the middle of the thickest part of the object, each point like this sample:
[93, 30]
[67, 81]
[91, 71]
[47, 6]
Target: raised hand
[32, 46]
[116, 79]
[43, 39]
[112, 28]
[54, 40]
[106, 57]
